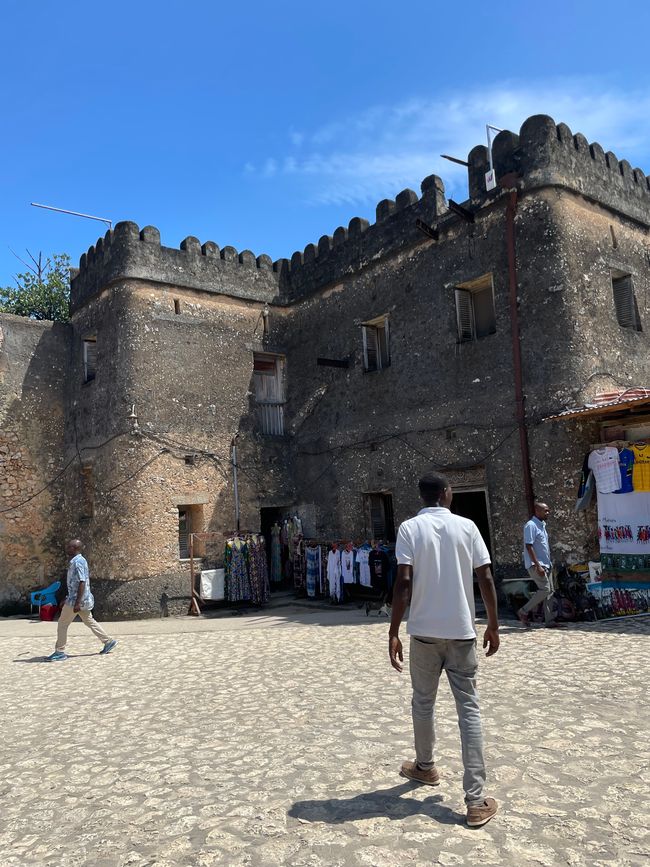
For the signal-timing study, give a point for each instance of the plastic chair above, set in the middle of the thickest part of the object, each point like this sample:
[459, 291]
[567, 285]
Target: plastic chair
[44, 597]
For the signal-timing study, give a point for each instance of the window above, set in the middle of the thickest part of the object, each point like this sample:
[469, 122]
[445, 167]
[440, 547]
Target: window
[90, 358]
[627, 312]
[376, 351]
[190, 520]
[268, 379]
[177, 306]
[379, 514]
[475, 314]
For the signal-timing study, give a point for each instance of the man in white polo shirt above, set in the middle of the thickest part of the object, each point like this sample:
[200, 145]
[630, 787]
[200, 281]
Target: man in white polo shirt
[437, 554]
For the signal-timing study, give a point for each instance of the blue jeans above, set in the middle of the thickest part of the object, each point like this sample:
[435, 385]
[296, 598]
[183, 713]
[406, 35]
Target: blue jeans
[427, 658]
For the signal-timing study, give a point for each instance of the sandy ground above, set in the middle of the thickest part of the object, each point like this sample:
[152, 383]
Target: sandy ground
[276, 739]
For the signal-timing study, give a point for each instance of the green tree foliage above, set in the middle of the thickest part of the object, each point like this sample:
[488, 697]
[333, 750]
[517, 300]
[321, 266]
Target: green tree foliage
[42, 292]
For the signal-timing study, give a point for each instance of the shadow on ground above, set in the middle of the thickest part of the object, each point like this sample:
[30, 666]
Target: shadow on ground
[386, 803]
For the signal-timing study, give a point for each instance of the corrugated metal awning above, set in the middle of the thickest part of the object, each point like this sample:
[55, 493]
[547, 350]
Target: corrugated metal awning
[606, 404]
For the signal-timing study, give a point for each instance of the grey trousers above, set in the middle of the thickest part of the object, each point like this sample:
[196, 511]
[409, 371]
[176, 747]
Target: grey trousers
[542, 594]
[427, 658]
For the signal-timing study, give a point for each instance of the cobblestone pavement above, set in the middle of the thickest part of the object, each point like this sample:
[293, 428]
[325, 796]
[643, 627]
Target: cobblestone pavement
[277, 740]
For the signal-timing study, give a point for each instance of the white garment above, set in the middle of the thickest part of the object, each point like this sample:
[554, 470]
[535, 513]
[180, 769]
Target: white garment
[364, 566]
[443, 550]
[334, 574]
[607, 470]
[347, 566]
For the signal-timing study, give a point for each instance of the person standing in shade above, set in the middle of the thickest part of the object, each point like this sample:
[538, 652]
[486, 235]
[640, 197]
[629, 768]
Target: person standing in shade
[437, 554]
[537, 560]
[79, 601]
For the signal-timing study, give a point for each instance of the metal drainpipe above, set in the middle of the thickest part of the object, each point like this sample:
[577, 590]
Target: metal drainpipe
[511, 210]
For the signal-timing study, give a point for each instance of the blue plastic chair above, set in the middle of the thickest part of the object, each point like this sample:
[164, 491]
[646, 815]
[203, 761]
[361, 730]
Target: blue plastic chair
[44, 597]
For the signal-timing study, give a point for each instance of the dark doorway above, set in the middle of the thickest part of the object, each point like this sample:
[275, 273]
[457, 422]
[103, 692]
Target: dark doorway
[270, 515]
[473, 505]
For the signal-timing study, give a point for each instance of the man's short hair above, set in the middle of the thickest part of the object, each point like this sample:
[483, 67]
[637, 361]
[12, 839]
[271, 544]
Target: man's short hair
[432, 487]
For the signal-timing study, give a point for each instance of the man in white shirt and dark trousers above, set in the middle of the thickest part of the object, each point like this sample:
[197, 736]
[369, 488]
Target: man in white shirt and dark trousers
[537, 560]
[437, 553]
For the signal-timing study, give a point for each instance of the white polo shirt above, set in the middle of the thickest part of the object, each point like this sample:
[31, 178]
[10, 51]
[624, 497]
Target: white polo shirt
[443, 549]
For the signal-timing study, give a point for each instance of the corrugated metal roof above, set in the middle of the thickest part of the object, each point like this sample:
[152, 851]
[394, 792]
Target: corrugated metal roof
[606, 403]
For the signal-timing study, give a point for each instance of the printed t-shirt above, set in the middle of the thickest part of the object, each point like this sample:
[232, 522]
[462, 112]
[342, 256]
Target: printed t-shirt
[443, 549]
[604, 463]
[626, 465]
[641, 468]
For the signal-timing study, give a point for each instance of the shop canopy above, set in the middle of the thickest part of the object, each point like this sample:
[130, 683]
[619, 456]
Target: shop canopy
[607, 403]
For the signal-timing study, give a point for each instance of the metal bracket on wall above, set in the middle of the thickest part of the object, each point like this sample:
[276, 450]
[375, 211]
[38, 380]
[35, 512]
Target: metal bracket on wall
[461, 211]
[431, 231]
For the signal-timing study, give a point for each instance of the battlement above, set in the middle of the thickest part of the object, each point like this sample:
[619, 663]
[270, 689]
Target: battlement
[347, 250]
[549, 154]
[542, 154]
[126, 252]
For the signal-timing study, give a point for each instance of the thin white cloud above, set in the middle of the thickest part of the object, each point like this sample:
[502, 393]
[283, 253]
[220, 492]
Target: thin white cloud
[386, 148]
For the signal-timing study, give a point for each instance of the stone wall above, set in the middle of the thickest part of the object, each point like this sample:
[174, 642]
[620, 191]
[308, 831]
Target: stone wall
[33, 362]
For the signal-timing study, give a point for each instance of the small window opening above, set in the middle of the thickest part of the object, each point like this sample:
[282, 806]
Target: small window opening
[190, 460]
[376, 345]
[190, 520]
[268, 381]
[379, 514]
[627, 312]
[90, 358]
[177, 306]
[475, 313]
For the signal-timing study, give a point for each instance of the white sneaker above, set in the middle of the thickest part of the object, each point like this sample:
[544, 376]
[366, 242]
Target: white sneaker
[385, 609]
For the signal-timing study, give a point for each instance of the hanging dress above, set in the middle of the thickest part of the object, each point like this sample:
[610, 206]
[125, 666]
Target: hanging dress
[237, 579]
[276, 555]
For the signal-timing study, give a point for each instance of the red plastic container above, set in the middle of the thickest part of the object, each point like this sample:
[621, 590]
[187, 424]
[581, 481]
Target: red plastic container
[48, 612]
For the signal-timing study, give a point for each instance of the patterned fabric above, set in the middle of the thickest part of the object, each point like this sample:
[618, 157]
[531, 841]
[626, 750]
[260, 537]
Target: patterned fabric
[258, 572]
[276, 556]
[238, 587]
[313, 556]
[78, 572]
[299, 566]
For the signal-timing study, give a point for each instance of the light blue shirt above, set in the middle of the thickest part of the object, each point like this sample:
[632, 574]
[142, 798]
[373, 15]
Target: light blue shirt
[535, 534]
[78, 572]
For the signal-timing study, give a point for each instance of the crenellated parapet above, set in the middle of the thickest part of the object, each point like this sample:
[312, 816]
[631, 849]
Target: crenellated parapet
[549, 154]
[349, 249]
[128, 252]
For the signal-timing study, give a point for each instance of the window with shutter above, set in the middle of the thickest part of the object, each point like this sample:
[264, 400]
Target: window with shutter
[90, 358]
[268, 382]
[465, 314]
[475, 313]
[376, 346]
[379, 511]
[625, 302]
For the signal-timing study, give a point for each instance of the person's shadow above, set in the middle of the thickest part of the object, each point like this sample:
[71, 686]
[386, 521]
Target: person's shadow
[45, 659]
[386, 803]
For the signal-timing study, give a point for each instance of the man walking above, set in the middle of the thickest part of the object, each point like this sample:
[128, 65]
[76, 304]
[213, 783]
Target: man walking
[437, 553]
[537, 560]
[78, 601]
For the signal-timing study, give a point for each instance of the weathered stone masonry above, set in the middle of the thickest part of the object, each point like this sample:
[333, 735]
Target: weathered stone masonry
[176, 331]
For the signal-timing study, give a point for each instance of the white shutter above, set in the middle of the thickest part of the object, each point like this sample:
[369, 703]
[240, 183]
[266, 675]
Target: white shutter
[624, 301]
[384, 345]
[465, 314]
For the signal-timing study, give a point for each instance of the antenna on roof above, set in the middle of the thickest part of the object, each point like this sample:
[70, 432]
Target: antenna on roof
[490, 177]
[108, 222]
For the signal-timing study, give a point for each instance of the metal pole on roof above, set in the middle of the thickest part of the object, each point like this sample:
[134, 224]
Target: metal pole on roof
[108, 222]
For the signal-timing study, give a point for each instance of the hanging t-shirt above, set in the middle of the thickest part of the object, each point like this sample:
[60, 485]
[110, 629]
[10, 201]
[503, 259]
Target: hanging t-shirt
[641, 467]
[334, 574]
[347, 566]
[364, 567]
[604, 463]
[379, 568]
[626, 466]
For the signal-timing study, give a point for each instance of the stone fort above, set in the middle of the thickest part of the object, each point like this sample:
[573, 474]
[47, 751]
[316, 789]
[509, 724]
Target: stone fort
[439, 337]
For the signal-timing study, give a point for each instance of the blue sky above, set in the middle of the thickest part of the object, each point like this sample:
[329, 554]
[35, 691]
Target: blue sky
[267, 125]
